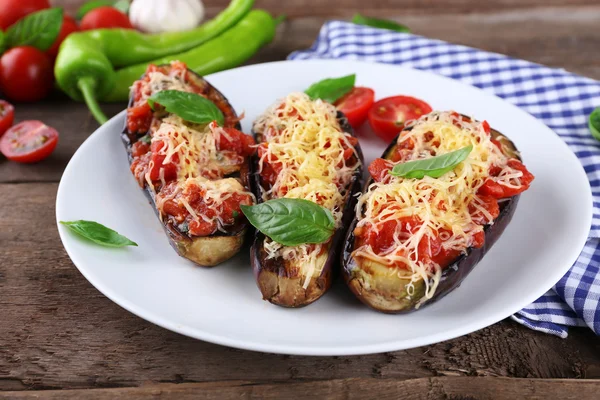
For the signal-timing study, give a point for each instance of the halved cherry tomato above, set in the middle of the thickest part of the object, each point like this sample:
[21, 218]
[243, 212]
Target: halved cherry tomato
[29, 142]
[68, 26]
[13, 10]
[7, 116]
[355, 105]
[105, 17]
[387, 116]
[26, 74]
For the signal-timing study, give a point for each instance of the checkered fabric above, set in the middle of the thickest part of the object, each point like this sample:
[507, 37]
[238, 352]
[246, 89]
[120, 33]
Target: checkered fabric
[560, 99]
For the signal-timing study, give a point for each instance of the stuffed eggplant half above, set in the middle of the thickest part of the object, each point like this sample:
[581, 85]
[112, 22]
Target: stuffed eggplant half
[194, 174]
[438, 199]
[306, 150]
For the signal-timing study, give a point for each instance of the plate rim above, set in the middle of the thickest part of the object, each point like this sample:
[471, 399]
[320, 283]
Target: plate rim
[345, 350]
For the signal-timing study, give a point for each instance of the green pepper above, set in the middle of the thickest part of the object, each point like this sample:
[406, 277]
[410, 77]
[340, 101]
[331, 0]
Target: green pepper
[229, 50]
[84, 67]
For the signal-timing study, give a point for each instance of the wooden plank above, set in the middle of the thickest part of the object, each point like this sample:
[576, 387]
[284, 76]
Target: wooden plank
[57, 331]
[561, 37]
[344, 389]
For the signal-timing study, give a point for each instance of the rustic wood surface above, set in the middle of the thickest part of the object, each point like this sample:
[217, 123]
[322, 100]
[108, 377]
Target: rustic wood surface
[58, 332]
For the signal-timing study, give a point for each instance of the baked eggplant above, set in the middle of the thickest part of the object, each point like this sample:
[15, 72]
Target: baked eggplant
[195, 176]
[282, 276]
[391, 281]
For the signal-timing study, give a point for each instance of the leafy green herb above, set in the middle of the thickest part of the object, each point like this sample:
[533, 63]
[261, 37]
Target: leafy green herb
[379, 23]
[2, 37]
[121, 5]
[331, 89]
[594, 123]
[146, 139]
[189, 106]
[39, 29]
[98, 233]
[434, 166]
[291, 222]
[235, 214]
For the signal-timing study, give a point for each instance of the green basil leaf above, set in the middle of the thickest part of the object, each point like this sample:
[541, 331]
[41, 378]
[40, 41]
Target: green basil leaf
[434, 166]
[594, 123]
[98, 233]
[331, 89]
[189, 106]
[122, 5]
[291, 222]
[90, 5]
[379, 23]
[39, 29]
[2, 37]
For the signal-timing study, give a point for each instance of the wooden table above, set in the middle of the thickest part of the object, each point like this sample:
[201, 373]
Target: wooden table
[58, 332]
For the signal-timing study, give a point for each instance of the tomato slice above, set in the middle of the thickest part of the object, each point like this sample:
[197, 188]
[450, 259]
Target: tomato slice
[7, 116]
[387, 116]
[355, 105]
[29, 142]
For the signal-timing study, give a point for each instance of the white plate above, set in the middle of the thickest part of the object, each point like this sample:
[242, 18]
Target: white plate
[223, 305]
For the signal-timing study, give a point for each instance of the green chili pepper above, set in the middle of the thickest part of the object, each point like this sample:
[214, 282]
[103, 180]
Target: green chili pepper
[85, 64]
[229, 50]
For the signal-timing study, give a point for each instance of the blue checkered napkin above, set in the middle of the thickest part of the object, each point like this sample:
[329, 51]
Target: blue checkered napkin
[560, 99]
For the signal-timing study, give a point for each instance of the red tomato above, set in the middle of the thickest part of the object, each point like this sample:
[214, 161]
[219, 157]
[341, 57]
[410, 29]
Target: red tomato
[7, 116]
[68, 26]
[498, 191]
[355, 105]
[28, 142]
[105, 17]
[13, 10]
[26, 74]
[387, 116]
[237, 141]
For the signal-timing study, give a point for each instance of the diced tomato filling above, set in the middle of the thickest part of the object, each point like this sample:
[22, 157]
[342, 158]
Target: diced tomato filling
[139, 118]
[139, 148]
[490, 204]
[486, 127]
[236, 141]
[430, 249]
[270, 169]
[379, 169]
[227, 212]
[169, 169]
[500, 191]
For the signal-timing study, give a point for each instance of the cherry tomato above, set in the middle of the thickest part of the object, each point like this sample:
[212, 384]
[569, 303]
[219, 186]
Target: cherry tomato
[13, 10]
[355, 105]
[387, 116]
[68, 26]
[7, 116]
[28, 142]
[105, 17]
[26, 74]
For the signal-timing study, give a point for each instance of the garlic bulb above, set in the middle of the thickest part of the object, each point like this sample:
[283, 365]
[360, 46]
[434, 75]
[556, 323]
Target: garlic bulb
[155, 16]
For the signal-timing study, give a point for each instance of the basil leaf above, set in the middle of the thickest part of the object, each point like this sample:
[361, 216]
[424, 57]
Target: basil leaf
[291, 222]
[39, 29]
[2, 37]
[434, 166]
[189, 106]
[594, 123]
[90, 5]
[122, 5]
[331, 89]
[98, 233]
[379, 23]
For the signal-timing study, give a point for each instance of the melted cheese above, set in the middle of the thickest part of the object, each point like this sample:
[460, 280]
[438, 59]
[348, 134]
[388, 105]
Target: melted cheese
[442, 204]
[306, 139]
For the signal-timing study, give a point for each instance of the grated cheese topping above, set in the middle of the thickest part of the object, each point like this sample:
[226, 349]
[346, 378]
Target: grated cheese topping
[304, 137]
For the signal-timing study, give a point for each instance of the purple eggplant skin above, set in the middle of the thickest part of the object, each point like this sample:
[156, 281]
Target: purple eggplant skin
[281, 284]
[388, 294]
[205, 251]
